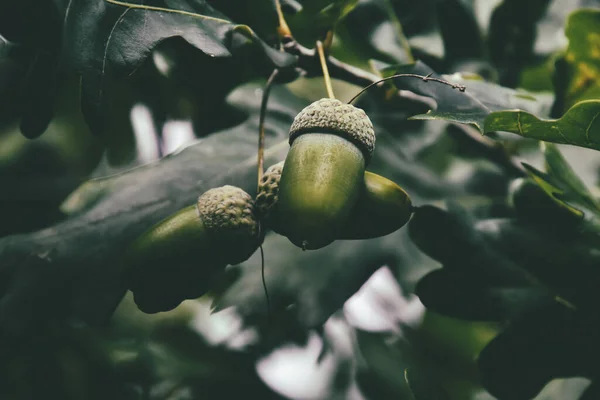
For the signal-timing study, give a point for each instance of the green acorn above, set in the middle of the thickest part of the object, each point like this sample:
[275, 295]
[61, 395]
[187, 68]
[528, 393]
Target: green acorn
[179, 257]
[382, 207]
[331, 144]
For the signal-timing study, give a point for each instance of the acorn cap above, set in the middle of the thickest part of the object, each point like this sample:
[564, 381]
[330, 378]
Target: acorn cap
[333, 116]
[228, 213]
[268, 189]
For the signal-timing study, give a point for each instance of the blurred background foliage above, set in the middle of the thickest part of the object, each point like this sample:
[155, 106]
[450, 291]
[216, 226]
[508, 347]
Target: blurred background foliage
[490, 292]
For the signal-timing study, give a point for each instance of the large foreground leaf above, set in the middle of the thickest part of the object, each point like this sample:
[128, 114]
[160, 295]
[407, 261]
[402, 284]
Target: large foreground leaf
[109, 213]
[107, 37]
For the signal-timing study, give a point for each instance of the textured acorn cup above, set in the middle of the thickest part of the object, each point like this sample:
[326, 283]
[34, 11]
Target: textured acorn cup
[268, 191]
[382, 207]
[178, 258]
[331, 143]
[228, 213]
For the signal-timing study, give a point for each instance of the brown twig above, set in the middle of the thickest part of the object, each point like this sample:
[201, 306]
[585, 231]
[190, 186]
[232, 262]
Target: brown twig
[283, 30]
[326, 76]
[425, 78]
[264, 281]
[309, 63]
[261, 123]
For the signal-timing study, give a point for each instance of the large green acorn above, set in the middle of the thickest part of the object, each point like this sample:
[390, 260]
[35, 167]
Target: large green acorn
[382, 206]
[179, 257]
[331, 144]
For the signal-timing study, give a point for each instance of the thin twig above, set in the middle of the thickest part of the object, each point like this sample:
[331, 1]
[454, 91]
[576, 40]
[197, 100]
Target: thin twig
[264, 281]
[326, 76]
[425, 78]
[309, 63]
[261, 123]
[328, 39]
[283, 30]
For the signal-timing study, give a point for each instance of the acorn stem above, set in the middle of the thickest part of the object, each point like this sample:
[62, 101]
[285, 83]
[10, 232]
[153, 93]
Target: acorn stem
[283, 29]
[264, 281]
[323, 61]
[261, 123]
[425, 78]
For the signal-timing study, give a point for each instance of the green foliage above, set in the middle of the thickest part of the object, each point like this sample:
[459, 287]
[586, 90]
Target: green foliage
[503, 247]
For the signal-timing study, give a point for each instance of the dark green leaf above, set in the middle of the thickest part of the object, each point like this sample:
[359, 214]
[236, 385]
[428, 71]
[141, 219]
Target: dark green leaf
[451, 239]
[512, 35]
[261, 15]
[464, 295]
[98, 40]
[30, 36]
[554, 343]
[503, 254]
[536, 203]
[564, 262]
[372, 30]
[39, 94]
[459, 29]
[317, 18]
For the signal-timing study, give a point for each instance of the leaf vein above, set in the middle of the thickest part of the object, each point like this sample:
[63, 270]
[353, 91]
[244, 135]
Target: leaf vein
[587, 131]
[112, 31]
[567, 141]
[169, 10]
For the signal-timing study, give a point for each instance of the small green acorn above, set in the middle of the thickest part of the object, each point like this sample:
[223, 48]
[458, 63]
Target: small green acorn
[331, 144]
[382, 207]
[179, 257]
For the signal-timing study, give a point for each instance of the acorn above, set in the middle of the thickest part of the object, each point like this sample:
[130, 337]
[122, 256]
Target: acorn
[179, 257]
[382, 207]
[331, 145]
